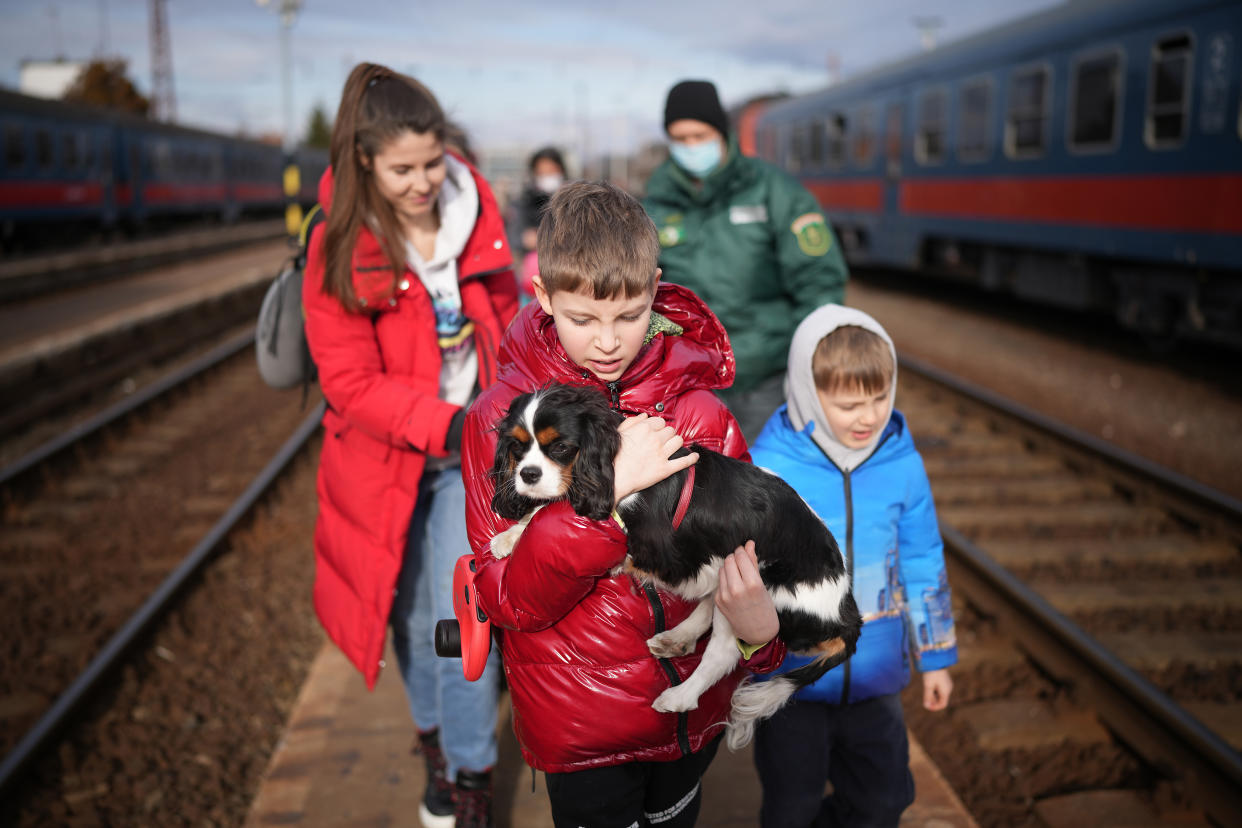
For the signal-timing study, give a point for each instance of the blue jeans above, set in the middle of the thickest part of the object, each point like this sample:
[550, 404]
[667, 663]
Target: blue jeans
[439, 695]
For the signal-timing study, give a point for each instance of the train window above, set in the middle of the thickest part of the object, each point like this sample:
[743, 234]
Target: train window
[69, 150]
[974, 114]
[815, 144]
[14, 147]
[1095, 96]
[929, 137]
[862, 148]
[834, 134]
[162, 159]
[1168, 94]
[43, 149]
[88, 150]
[892, 139]
[1027, 117]
[798, 149]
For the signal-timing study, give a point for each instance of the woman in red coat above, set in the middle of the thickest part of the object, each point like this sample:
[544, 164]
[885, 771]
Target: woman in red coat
[407, 292]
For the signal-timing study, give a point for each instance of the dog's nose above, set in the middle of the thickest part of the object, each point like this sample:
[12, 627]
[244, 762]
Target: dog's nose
[531, 475]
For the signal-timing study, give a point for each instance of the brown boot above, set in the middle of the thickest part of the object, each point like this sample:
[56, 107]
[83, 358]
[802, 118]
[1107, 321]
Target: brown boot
[436, 809]
[473, 798]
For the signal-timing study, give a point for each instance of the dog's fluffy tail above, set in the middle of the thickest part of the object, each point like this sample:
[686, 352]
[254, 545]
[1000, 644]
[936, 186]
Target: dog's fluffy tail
[755, 700]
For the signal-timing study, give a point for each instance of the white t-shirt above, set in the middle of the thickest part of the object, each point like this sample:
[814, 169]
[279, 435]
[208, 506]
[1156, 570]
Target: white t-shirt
[459, 364]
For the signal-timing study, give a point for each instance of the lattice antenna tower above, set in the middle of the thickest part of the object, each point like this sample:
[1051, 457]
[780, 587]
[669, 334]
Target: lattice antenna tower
[163, 103]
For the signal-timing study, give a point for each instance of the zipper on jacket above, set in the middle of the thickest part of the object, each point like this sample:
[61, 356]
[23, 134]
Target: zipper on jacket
[849, 568]
[487, 365]
[683, 719]
[614, 391]
[849, 538]
[479, 274]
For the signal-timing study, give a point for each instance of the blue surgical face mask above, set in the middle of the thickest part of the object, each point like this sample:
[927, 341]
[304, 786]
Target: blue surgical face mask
[696, 159]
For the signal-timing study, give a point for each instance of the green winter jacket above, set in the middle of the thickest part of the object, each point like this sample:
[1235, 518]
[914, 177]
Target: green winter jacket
[753, 243]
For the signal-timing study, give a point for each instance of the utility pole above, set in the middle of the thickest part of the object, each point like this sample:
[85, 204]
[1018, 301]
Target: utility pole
[103, 29]
[163, 103]
[292, 179]
[288, 12]
[927, 27]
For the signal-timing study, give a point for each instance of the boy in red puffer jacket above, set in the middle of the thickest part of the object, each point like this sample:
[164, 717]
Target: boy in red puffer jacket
[574, 635]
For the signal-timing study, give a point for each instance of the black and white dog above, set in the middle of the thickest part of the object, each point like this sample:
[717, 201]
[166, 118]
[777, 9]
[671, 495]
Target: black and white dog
[560, 442]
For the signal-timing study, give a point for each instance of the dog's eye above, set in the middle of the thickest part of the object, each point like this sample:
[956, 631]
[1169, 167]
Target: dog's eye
[561, 452]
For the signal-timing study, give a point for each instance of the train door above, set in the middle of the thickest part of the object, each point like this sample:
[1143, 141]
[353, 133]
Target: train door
[132, 156]
[895, 238]
[894, 127]
[101, 165]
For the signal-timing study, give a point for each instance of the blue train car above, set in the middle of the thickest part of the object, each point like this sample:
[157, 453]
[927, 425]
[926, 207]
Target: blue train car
[66, 168]
[56, 165]
[1089, 156]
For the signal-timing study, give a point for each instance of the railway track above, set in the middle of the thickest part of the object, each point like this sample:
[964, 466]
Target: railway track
[94, 358]
[109, 533]
[1101, 618]
[36, 275]
[1046, 540]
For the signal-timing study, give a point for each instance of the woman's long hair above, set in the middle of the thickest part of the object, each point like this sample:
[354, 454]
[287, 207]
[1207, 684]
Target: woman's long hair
[377, 106]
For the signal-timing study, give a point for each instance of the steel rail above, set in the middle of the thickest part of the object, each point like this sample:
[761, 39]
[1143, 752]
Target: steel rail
[1126, 460]
[23, 465]
[1139, 713]
[50, 724]
[1142, 716]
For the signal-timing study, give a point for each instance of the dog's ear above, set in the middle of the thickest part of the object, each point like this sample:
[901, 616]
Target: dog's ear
[506, 501]
[592, 490]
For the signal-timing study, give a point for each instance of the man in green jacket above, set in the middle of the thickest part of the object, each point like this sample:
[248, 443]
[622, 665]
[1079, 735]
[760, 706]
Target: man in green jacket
[747, 238]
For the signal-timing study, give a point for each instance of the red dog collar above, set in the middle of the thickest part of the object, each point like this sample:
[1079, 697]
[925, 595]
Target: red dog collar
[683, 501]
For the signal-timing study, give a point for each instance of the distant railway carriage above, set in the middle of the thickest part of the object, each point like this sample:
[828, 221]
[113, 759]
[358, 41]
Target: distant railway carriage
[65, 167]
[57, 163]
[1089, 156]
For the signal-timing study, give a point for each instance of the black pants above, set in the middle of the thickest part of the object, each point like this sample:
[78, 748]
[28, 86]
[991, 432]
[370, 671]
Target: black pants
[861, 748]
[633, 795]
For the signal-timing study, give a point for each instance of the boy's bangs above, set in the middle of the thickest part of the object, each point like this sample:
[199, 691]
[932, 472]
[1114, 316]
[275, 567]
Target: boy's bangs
[606, 279]
[852, 358]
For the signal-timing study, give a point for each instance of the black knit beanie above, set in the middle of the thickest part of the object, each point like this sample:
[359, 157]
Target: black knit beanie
[697, 100]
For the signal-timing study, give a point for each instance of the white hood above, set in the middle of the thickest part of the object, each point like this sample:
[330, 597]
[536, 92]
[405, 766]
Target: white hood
[804, 405]
[459, 210]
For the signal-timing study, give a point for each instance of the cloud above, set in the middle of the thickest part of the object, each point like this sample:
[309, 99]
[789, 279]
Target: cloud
[507, 70]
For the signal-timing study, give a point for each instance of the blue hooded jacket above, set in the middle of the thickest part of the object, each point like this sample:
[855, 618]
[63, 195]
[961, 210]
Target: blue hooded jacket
[881, 512]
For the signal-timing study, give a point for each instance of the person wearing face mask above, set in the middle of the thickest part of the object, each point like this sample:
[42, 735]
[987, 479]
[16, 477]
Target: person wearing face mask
[546, 175]
[747, 238]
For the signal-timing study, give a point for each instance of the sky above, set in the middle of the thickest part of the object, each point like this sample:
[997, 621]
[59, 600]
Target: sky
[589, 76]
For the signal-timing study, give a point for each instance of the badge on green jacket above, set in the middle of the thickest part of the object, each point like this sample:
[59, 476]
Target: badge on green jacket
[672, 235]
[812, 233]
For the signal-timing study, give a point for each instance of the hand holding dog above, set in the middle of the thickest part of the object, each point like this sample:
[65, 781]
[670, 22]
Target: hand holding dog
[643, 459]
[744, 599]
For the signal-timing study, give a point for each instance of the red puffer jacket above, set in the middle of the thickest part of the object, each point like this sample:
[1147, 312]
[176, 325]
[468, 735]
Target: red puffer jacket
[380, 371]
[575, 637]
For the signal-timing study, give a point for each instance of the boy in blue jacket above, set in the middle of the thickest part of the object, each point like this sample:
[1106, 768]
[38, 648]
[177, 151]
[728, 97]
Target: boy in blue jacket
[839, 442]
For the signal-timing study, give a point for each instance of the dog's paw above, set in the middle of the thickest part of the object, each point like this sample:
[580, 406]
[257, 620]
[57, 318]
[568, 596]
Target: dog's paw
[676, 700]
[668, 645]
[502, 544]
